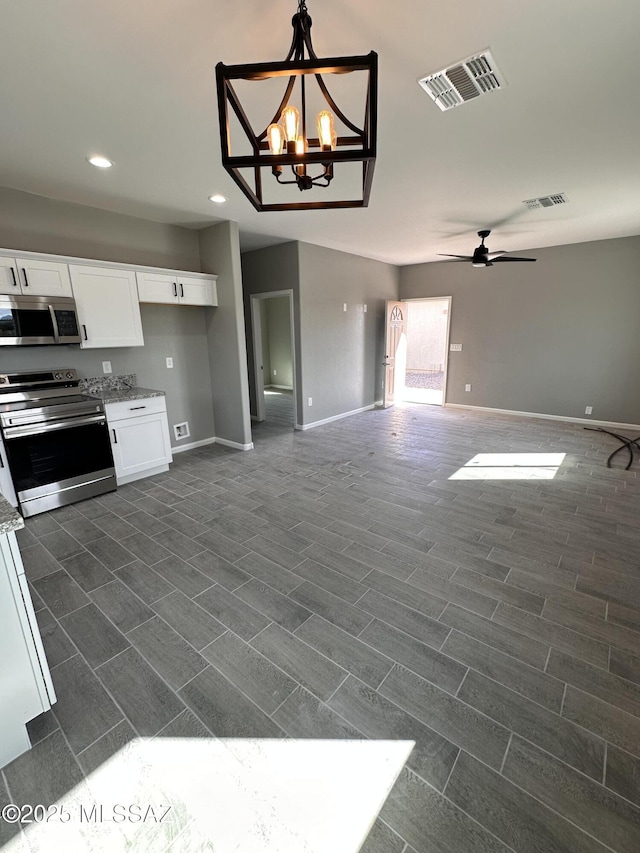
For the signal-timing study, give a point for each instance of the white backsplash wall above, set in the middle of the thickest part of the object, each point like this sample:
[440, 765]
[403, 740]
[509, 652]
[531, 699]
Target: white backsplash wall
[178, 332]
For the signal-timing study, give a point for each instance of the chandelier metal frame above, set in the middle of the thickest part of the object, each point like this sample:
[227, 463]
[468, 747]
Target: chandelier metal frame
[359, 145]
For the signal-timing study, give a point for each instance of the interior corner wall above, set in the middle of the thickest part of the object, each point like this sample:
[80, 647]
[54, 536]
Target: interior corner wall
[548, 338]
[342, 351]
[226, 340]
[266, 271]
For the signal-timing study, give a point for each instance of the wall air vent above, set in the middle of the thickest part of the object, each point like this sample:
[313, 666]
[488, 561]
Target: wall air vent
[477, 75]
[546, 201]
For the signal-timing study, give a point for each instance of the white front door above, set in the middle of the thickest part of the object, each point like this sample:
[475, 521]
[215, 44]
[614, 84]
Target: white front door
[395, 350]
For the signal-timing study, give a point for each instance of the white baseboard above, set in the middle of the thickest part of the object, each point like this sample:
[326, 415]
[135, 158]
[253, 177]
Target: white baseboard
[193, 444]
[280, 387]
[236, 445]
[543, 416]
[213, 440]
[335, 418]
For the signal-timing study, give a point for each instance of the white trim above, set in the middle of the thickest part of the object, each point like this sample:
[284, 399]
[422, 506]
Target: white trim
[236, 445]
[335, 417]
[449, 299]
[256, 323]
[544, 416]
[193, 444]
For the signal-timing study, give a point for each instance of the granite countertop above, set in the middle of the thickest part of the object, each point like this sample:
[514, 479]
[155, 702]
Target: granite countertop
[112, 395]
[10, 518]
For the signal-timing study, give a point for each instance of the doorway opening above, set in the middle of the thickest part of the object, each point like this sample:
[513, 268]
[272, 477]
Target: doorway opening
[417, 346]
[274, 358]
[427, 350]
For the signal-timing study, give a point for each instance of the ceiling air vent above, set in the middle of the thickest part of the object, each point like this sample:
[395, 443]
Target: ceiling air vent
[546, 201]
[477, 75]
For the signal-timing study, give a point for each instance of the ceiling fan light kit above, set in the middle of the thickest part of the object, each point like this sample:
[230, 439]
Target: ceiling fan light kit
[482, 257]
[284, 147]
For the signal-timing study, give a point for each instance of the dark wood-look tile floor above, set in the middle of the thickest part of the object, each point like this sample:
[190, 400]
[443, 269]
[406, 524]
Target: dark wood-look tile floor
[347, 582]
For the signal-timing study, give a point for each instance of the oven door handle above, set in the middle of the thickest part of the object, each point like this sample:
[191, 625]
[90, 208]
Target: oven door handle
[37, 429]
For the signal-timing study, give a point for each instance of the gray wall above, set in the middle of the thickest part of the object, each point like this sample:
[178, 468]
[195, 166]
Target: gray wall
[169, 330]
[550, 337]
[278, 328]
[226, 342]
[207, 344]
[265, 271]
[37, 224]
[342, 352]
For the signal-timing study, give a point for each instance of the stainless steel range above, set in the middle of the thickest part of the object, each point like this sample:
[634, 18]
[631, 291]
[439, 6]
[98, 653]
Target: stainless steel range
[55, 438]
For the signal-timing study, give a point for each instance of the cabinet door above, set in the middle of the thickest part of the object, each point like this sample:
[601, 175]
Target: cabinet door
[108, 307]
[157, 287]
[43, 278]
[197, 291]
[139, 444]
[9, 281]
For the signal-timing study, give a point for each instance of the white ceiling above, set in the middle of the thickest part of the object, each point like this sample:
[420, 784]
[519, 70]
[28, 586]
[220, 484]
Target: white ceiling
[136, 82]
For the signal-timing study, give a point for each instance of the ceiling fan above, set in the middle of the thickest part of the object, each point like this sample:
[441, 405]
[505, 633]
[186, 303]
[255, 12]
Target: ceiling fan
[482, 257]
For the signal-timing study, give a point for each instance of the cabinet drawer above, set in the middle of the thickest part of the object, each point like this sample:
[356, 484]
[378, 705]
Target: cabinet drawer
[135, 408]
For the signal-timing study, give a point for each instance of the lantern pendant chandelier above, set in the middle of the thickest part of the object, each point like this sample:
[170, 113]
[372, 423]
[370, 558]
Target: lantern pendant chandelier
[283, 148]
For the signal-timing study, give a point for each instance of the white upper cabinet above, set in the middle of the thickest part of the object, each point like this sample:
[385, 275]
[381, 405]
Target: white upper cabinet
[177, 289]
[29, 277]
[108, 307]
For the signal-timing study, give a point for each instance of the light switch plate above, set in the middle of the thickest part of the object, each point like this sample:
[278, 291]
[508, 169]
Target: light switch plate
[106, 367]
[455, 348]
[169, 361]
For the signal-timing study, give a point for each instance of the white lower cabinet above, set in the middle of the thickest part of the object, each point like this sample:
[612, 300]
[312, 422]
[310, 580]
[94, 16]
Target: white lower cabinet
[108, 307]
[26, 686]
[139, 438]
[6, 483]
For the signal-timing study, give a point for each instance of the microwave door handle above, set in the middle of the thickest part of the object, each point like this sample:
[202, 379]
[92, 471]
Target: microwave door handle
[54, 324]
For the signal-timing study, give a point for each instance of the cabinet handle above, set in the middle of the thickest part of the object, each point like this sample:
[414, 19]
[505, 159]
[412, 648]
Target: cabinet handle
[175, 290]
[181, 289]
[84, 329]
[115, 437]
[13, 276]
[26, 280]
[134, 408]
[1, 462]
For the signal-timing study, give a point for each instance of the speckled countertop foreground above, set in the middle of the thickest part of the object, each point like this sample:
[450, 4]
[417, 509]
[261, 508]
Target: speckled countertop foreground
[10, 518]
[117, 389]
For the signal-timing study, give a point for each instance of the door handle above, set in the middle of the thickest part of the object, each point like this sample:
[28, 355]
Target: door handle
[26, 280]
[13, 276]
[115, 437]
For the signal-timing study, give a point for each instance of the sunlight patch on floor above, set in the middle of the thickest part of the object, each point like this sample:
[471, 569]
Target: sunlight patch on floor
[510, 466]
[224, 796]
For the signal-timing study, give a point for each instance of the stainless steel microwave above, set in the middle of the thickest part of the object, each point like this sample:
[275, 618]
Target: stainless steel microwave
[38, 321]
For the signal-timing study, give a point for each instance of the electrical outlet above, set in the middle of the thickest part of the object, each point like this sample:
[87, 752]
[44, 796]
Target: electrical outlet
[275, 372]
[309, 401]
[344, 306]
[364, 308]
[588, 410]
[467, 387]
[169, 361]
[106, 367]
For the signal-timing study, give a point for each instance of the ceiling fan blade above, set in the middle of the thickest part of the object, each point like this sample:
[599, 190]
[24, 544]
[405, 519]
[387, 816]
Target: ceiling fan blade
[493, 255]
[461, 257]
[508, 258]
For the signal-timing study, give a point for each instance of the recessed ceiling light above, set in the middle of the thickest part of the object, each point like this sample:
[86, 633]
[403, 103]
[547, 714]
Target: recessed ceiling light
[217, 198]
[100, 162]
